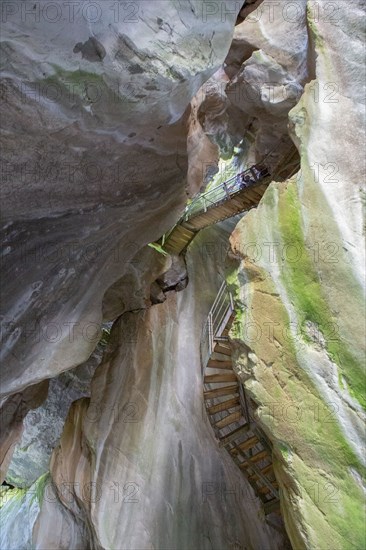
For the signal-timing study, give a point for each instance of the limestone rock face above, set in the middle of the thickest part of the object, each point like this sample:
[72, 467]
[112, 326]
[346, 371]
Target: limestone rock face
[140, 456]
[43, 426]
[268, 66]
[18, 511]
[137, 105]
[94, 159]
[243, 108]
[13, 411]
[299, 334]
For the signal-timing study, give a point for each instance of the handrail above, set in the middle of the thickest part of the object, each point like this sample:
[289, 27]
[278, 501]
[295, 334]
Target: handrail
[217, 319]
[221, 310]
[254, 179]
[223, 192]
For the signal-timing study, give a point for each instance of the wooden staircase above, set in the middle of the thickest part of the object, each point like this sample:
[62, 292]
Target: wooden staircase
[226, 200]
[231, 411]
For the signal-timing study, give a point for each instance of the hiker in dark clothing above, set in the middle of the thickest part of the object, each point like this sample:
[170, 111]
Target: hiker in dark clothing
[260, 171]
[247, 180]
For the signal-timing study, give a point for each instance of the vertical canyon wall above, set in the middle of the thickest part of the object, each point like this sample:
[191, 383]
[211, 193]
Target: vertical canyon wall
[299, 334]
[138, 465]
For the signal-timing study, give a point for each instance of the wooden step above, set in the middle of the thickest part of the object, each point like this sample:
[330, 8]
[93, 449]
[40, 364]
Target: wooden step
[272, 506]
[219, 378]
[265, 490]
[253, 196]
[248, 444]
[221, 348]
[224, 406]
[264, 471]
[213, 364]
[235, 434]
[227, 390]
[255, 458]
[229, 419]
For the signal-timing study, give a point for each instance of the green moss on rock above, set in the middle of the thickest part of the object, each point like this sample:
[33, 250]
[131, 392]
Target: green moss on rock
[304, 287]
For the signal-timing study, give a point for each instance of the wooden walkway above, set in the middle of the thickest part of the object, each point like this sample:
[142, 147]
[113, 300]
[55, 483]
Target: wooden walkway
[231, 411]
[225, 201]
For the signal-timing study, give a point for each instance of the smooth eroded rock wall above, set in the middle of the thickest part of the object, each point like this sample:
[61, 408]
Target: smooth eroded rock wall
[299, 334]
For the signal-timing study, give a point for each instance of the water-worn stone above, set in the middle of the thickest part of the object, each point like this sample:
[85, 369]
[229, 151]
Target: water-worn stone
[95, 160]
[299, 334]
[149, 457]
[14, 410]
[137, 461]
[43, 426]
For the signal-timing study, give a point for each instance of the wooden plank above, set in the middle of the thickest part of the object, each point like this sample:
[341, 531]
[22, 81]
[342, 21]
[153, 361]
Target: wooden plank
[237, 203]
[218, 378]
[224, 405]
[228, 210]
[178, 238]
[264, 471]
[246, 202]
[214, 364]
[224, 350]
[249, 443]
[229, 419]
[218, 392]
[253, 197]
[188, 226]
[264, 490]
[235, 434]
[262, 188]
[178, 242]
[255, 458]
[181, 234]
[181, 230]
[271, 506]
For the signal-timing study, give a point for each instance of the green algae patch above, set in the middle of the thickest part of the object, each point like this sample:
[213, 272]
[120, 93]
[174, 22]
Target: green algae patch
[87, 88]
[39, 487]
[332, 508]
[304, 287]
[11, 495]
[69, 84]
[158, 248]
[302, 426]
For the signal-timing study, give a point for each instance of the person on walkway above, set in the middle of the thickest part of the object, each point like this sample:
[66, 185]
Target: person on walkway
[260, 171]
[247, 180]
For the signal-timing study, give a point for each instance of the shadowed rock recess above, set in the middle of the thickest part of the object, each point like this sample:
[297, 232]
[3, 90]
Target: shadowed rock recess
[115, 432]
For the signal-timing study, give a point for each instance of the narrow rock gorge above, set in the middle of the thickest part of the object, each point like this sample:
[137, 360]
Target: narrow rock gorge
[183, 273]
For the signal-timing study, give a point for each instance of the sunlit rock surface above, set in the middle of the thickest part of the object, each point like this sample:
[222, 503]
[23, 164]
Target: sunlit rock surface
[19, 509]
[247, 101]
[299, 334]
[43, 426]
[14, 409]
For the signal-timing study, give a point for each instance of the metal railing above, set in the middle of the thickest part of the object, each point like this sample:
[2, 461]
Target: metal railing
[225, 190]
[254, 175]
[218, 316]
[217, 320]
